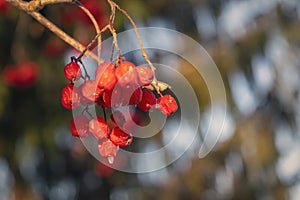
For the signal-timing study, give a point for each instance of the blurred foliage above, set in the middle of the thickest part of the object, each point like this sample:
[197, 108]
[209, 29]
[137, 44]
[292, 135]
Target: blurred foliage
[40, 160]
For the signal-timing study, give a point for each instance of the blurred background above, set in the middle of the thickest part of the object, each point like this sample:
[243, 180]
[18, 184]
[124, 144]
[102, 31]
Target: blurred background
[255, 45]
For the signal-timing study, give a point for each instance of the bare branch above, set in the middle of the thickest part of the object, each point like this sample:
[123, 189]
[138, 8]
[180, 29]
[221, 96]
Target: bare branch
[31, 9]
[35, 5]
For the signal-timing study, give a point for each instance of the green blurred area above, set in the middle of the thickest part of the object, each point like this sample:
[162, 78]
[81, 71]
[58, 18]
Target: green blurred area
[255, 46]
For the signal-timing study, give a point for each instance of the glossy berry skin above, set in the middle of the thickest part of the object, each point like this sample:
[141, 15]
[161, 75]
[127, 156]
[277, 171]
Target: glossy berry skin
[106, 148]
[72, 71]
[70, 98]
[126, 74]
[105, 76]
[99, 128]
[91, 91]
[148, 100]
[145, 75]
[113, 98]
[136, 96]
[120, 138]
[79, 126]
[167, 104]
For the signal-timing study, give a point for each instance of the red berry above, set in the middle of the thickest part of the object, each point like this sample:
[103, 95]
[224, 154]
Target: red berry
[148, 100]
[28, 74]
[105, 75]
[70, 97]
[10, 74]
[136, 97]
[100, 101]
[126, 74]
[120, 138]
[24, 75]
[167, 104]
[145, 75]
[99, 128]
[72, 71]
[106, 148]
[113, 98]
[91, 91]
[3, 6]
[79, 126]
[84, 101]
[106, 97]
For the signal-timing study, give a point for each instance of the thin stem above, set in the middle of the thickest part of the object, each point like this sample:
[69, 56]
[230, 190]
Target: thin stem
[155, 82]
[137, 34]
[112, 52]
[31, 9]
[74, 43]
[112, 29]
[87, 76]
[96, 38]
[96, 26]
[35, 5]
[115, 40]
[104, 113]
[86, 109]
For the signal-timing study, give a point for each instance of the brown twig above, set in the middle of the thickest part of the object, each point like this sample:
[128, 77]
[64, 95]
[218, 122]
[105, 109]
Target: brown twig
[112, 29]
[155, 82]
[32, 7]
[96, 38]
[35, 5]
[96, 26]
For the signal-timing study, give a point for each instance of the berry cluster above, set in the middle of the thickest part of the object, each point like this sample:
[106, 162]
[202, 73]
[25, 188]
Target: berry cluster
[114, 86]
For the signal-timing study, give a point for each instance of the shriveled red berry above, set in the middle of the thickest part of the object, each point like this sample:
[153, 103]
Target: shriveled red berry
[113, 98]
[136, 96]
[106, 148]
[99, 128]
[70, 98]
[105, 76]
[120, 138]
[148, 100]
[90, 90]
[79, 126]
[167, 104]
[72, 71]
[145, 75]
[126, 73]
[84, 101]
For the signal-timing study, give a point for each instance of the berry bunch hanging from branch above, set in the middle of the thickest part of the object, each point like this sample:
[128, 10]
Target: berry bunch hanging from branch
[117, 84]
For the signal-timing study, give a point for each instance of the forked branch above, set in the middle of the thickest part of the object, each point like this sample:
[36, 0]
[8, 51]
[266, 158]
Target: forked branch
[32, 8]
